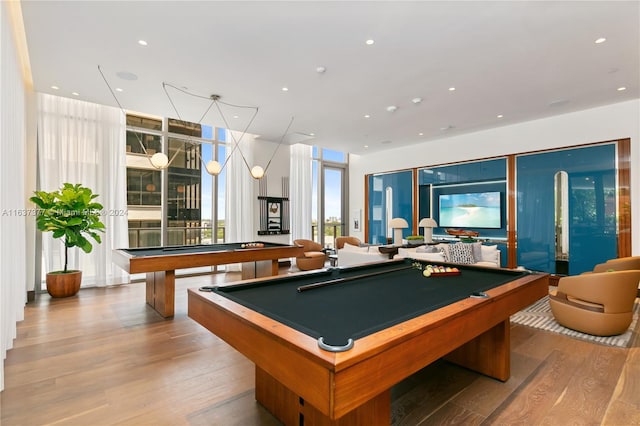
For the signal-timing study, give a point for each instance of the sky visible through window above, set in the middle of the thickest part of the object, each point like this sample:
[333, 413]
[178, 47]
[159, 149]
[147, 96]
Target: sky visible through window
[333, 179]
[207, 179]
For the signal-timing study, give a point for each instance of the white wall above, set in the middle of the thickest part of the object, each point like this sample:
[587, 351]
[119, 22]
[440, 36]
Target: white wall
[279, 168]
[612, 122]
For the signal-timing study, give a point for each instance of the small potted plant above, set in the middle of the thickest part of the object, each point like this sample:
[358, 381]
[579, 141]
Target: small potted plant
[72, 214]
[415, 240]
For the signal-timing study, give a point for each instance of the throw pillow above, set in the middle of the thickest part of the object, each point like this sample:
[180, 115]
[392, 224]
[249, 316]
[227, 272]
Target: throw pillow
[426, 249]
[489, 253]
[477, 251]
[444, 251]
[461, 253]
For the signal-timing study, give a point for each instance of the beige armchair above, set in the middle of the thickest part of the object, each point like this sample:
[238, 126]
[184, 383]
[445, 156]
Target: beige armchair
[313, 256]
[599, 303]
[354, 241]
[620, 264]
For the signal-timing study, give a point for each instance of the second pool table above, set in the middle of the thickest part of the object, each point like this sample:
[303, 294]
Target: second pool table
[160, 264]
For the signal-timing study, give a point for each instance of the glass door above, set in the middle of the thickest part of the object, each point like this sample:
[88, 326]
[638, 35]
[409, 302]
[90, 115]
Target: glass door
[333, 220]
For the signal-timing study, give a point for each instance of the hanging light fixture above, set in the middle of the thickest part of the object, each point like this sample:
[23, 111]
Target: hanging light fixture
[159, 160]
[257, 172]
[213, 167]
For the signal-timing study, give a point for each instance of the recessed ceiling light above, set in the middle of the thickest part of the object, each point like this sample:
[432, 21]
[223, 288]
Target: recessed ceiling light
[367, 116]
[451, 89]
[392, 108]
[366, 146]
[126, 75]
[55, 87]
[312, 134]
[499, 116]
[119, 89]
[236, 116]
[600, 40]
[558, 102]
[416, 100]
[285, 89]
[420, 134]
[321, 70]
[369, 42]
[142, 42]
[620, 89]
[75, 93]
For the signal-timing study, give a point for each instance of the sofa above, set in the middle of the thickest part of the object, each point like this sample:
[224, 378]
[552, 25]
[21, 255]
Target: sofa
[466, 253]
[354, 255]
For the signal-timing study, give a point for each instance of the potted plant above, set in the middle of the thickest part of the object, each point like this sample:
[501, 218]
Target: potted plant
[72, 214]
[415, 240]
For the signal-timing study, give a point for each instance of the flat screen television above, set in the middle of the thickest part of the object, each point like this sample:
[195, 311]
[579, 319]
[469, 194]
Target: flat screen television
[472, 210]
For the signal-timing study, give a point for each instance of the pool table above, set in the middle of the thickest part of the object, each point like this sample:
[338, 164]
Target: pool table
[160, 264]
[328, 345]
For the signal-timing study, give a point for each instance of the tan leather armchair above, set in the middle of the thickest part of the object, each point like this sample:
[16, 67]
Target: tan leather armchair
[313, 258]
[354, 241]
[620, 264]
[599, 303]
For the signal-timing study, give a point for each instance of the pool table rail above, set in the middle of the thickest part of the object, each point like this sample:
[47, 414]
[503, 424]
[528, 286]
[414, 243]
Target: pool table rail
[135, 264]
[159, 264]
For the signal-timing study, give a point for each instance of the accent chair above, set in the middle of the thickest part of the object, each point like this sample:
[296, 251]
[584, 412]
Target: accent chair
[313, 256]
[354, 241]
[597, 303]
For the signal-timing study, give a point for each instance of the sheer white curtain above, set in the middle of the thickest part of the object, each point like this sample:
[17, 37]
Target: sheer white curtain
[301, 196]
[240, 188]
[81, 142]
[13, 229]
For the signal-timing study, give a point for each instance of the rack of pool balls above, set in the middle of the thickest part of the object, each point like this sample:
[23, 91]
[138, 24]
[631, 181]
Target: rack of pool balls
[252, 245]
[439, 271]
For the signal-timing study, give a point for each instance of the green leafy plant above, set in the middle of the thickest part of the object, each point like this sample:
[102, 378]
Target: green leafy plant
[415, 237]
[70, 213]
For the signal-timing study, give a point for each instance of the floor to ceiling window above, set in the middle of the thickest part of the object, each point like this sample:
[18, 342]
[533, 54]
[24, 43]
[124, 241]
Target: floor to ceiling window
[181, 204]
[330, 183]
[144, 182]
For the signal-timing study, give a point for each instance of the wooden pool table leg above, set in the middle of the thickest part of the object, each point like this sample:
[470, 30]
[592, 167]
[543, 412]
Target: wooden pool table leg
[275, 267]
[489, 353]
[260, 268]
[292, 410]
[161, 290]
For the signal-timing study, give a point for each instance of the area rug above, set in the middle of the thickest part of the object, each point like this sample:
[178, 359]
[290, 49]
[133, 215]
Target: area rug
[539, 316]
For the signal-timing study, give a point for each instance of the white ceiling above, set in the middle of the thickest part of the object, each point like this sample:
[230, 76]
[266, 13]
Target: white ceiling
[522, 59]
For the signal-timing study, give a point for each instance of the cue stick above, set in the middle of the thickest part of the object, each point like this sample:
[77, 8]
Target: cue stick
[187, 247]
[342, 280]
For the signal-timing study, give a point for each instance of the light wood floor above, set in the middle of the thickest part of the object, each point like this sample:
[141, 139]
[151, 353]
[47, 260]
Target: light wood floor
[104, 358]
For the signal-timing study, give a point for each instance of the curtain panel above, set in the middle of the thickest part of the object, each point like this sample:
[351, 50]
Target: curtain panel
[240, 188]
[82, 142]
[301, 196]
[13, 203]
